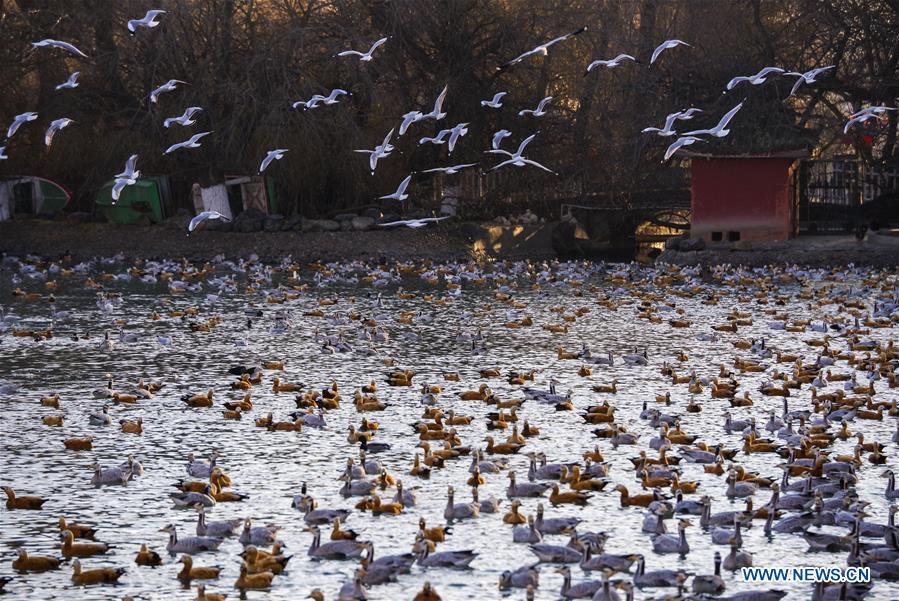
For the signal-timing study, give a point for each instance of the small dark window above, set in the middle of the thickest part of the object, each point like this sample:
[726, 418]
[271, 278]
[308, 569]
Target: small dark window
[716, 236]
[733, 236]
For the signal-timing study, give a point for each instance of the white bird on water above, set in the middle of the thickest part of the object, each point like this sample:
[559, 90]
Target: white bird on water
[537, 112]
[495, 103]
[192, 142]
[719, 130]
[58, 44]
[542, 49]
[364, 56]
[272, 155]
[400, 193]
[55, 126]
[414, 223]
[757, 79]
[808, 77]
[203, 217]
[498, 138]
[437, 113]
[678, 144]
[71, 83]
[450, 170]
[168, 86]
[186, 119]
[18, 121]
[610, 63]
[148, 20]
[666, 45]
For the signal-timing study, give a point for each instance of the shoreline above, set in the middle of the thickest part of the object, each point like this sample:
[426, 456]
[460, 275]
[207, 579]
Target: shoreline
[453, 242]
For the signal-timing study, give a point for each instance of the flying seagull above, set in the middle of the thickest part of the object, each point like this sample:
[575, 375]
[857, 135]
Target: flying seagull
[129, 172]
[808, 77]
[202, 217]
[456, 132]
[666, 130]
[450, 170]
[149, 20]
[518, 152]
[408, 119]
[757, 79]
[687, 114]
[865, 114]
[55, 126]
[193, 142]
[498, 138]
[3, 156]
[678, 144]
[400, 193]
[719, 130]
[437, 114]
[308, 104]
[381, 151]
[541, 49]
[414, 223]
[186, 119]
[17, 122]
[332, 97]
[496, 102]
[666, 45]
[71, 83]
[363, 56]
[516, 158]
[58, 44]
[611, 63]
[168, 86]
[272, 155]
[538, 112]
[128, 177]
[438, 139]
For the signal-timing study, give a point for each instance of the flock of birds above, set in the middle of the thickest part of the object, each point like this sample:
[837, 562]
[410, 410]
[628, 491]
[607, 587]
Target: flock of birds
[790, 420]
[444, 136]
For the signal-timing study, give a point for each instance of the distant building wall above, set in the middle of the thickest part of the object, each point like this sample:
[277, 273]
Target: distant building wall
[742, 198]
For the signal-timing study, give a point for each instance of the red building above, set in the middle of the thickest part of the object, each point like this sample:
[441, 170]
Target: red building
[744, 197]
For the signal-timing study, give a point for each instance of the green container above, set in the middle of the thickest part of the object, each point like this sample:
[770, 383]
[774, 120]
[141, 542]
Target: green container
[143, 198]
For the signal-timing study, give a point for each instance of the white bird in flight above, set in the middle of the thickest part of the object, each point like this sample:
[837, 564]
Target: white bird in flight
[332, 97]
[192, 142]
[414, 223]
[126, 178]
[666, 45]
[130, 172]
[452, 170]
[55, 126]
[58, 44]
[364, 56]
[757, 79]
[148, 20]
[611, 63]
[542, 49]
[400, 193]
[517, 153]
[408, 119]
[495, 103]
[203, 217]
[516, 158]
[272, 155]
[537, 112]
[381, 151]
[865, 114]
[669, 122]
[456, 132]
[498, 138]
[168, 86]
[719, 130]
[71, 83]
[186, 119]
[438, 139]
[18, 121]
[308, 104]
[3, 156]
[808, 77]
[437, 113]
[680, 143]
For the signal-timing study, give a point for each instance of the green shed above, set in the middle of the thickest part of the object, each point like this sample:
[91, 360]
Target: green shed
[149, 196]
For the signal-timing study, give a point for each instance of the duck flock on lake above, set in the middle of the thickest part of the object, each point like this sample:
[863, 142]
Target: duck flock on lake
[757, 414]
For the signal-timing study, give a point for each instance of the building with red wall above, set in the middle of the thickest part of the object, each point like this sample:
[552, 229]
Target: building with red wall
[744, 197]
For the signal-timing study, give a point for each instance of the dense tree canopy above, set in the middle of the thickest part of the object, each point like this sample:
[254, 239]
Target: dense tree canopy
[247, 60]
